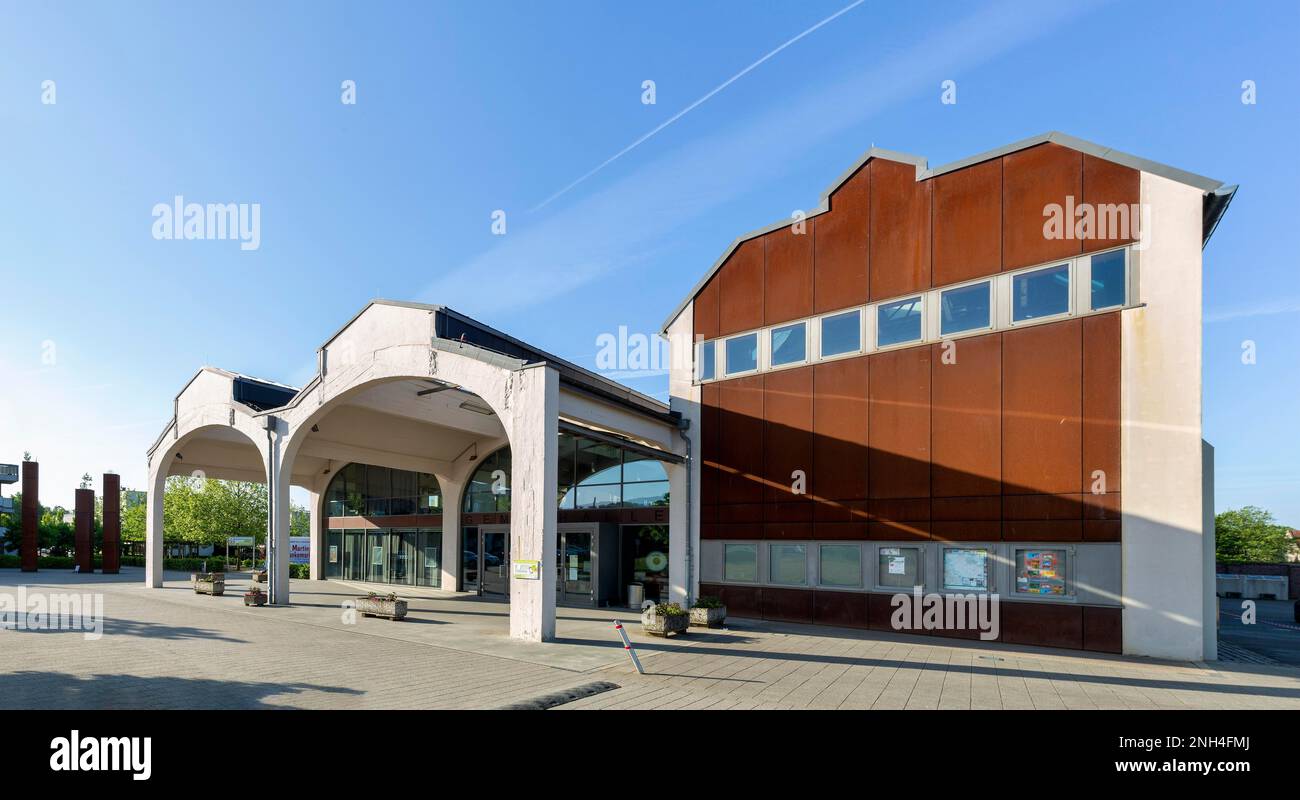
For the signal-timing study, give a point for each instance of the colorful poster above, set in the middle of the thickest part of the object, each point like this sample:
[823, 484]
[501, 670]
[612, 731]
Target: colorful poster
[1041, 572]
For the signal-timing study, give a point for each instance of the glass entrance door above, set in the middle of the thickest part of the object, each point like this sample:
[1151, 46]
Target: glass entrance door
[469, 560]
[494, 555]
[573, 565]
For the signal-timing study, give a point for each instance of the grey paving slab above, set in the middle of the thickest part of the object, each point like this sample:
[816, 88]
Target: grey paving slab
[170, 648]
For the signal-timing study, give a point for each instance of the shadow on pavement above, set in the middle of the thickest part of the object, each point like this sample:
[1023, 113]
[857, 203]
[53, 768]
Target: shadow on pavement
[48, 690]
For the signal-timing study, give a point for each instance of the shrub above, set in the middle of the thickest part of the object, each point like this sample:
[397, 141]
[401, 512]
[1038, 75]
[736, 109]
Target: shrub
[707, 601]
[669, 610]
[300, 571]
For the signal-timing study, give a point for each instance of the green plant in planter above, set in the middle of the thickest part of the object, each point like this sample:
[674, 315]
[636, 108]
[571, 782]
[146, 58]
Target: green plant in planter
[707, 601]
[669, 610]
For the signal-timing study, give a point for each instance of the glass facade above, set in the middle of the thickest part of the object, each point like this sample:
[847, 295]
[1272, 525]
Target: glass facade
[404, 556]
[590, 474]
[645, 558]
[362, 490]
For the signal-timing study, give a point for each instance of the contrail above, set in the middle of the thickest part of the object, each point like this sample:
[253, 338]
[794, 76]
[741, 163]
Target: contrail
[694, 105]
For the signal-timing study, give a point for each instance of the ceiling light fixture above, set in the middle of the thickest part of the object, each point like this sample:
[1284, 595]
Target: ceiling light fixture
[472, 446]
[477, 409]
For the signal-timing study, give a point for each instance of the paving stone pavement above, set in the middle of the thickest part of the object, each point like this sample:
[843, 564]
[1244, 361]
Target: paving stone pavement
[173, 649]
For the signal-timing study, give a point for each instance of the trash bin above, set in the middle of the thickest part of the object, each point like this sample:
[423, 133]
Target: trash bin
[635, 595]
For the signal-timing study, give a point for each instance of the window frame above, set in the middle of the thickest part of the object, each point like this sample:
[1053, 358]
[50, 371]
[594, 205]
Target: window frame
[1009, 293]
[990, 569]
[936, 319]
[758, 354]
[771, 330]
[924, 337]
[863, 346]
[758, 562]
[1084, 299]
[700, 360]
[921, 554]
[821, 582]
[1001, 289]
[1013, 557]
[771, 581]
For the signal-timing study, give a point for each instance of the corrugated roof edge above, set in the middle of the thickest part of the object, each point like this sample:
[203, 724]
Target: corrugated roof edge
[1206, 185]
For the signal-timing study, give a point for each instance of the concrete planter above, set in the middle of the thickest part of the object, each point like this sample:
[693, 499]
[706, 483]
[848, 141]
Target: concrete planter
[259, 576]
[709, 617]
[213, 584]
[254, 598]
[393, 608]
[658, 624]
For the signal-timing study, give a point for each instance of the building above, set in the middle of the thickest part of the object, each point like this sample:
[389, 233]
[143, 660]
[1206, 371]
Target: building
[982, 379]
[438, 451]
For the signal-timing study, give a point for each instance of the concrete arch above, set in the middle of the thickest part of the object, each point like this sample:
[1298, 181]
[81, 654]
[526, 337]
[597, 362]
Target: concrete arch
[523, 398]
[203, 427]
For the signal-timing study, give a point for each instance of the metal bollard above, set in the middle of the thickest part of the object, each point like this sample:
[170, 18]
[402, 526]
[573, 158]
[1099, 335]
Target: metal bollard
[627, 645]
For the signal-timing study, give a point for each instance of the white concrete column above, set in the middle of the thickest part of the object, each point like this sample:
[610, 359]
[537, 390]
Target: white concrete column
[533, 402]
[452, 492]
[684, 480]
[153, 551]
[1160, 438]
[279, 474]
[317, 528]
[681, 587]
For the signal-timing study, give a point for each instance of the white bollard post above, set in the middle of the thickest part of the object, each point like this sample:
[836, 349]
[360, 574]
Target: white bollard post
[627, 645]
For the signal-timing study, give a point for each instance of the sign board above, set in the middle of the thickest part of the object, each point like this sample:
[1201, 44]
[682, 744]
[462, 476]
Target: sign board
[299, 549]
[8, 473]
[239, 541]
[526, 570]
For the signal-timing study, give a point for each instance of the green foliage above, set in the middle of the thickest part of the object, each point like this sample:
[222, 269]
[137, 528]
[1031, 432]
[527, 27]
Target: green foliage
[302, 571]
[206, 511]
[669, 610]
[1249, 534]
[707, 601]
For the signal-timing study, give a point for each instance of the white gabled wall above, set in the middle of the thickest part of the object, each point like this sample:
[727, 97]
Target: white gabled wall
[1160, 397]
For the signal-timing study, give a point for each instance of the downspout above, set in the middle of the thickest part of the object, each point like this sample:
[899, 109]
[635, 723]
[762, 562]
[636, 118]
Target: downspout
[683, 425]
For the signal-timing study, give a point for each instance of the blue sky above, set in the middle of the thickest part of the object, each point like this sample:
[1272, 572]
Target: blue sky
[464, 108]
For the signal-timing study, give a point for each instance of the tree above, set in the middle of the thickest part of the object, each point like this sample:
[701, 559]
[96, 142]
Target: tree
[299, 521]
[207, 510]
[1249, 534]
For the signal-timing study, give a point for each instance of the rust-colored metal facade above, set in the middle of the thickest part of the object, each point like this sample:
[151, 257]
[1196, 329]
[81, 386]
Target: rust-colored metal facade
[31, 514]
[1003, 445]
[112, 557]
[85, 524]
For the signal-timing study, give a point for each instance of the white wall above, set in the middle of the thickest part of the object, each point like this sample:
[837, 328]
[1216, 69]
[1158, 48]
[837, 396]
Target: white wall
[1160, 398]
[684, 530]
